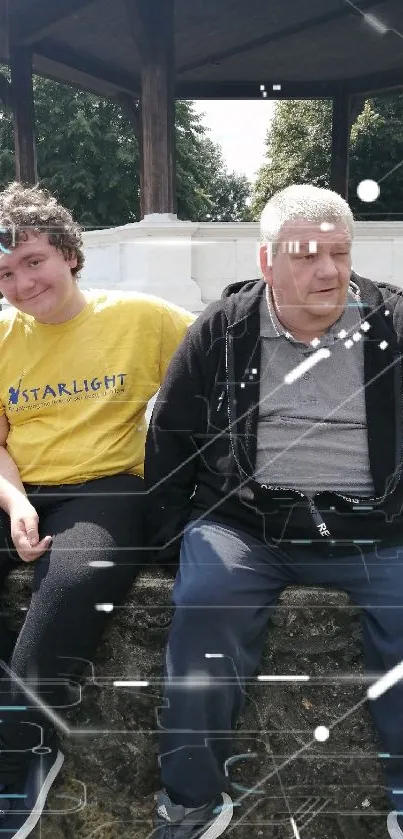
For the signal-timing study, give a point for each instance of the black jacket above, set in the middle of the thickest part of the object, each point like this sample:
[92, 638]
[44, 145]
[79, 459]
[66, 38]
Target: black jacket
[201, 443]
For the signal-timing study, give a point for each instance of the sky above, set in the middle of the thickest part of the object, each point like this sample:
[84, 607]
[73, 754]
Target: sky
[240, 128]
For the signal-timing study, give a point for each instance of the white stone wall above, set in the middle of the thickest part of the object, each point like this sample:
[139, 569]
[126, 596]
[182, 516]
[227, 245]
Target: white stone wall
[190, 264]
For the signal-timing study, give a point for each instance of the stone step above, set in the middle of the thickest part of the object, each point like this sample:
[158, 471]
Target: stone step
[335, 788]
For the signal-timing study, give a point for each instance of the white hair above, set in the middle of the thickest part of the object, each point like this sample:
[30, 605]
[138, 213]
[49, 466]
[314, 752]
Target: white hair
[307, 202]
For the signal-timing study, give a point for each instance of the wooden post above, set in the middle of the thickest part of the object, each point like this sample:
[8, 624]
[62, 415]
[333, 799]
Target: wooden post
[23, 113]
[340, 143]
[152, 25]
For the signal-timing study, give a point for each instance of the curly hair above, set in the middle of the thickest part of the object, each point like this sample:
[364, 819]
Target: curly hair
[30, 208]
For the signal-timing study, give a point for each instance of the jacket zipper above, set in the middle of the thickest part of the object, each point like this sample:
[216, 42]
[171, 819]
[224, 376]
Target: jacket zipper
[220, 401]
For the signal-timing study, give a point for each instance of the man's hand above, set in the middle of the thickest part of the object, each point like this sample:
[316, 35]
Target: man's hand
[24, 532]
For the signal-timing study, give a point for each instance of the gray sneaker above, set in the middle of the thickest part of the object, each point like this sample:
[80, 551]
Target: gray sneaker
[172, 821]
[394, 829]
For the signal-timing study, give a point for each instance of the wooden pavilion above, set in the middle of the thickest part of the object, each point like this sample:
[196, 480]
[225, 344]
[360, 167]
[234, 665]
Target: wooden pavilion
[146, 53]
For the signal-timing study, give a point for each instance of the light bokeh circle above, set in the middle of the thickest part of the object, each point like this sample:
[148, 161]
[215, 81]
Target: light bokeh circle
[321, 733]
[368, 190]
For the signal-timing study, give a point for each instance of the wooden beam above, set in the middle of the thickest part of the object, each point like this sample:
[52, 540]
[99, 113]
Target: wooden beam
[285, 32]
[92, 68]
[275, 89]
[33, 24]
[152, 24]
[340, 143]
[140, 26]
[23, 113]
[376, 83]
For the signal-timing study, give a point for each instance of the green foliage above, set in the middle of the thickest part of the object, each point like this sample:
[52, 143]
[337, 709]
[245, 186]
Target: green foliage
[299, 151]
[206, 190]
[88, 156]
[377, 153]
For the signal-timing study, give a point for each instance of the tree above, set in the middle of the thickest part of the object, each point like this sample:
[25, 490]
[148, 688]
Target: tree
[229, 196]
[377, 154]
[206, 190]
[88, 156]
[299, 151]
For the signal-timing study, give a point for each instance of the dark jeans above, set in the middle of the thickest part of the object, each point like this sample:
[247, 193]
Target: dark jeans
[100, 520]
[224, 594]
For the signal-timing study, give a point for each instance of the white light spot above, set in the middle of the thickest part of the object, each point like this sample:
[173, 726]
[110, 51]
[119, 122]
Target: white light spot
[375, 23]
[277, 87]
[101, 563]
[213, 655]
[321, 733]
[385, 682]
[326, 225]
[368, 190]
[262, 87]
[348, 344]
[295, 829]
[264, 94]
[315, 342]
[342, 333]
[254, 371]
[104, 607]
[269, 254]
[242, 385]
[295, 678]
[365, 326]
[312, 246]
[130, 684]
[383, 345]
[357, 336]
[387, 312]
[197, 679]
[302, 368]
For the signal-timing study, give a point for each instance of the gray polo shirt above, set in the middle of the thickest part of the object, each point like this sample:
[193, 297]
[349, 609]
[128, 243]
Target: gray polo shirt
[312, 434]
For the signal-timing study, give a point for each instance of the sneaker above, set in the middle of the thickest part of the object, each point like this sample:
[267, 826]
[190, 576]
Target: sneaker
[172, 821]
[393, 824]
[21, 804]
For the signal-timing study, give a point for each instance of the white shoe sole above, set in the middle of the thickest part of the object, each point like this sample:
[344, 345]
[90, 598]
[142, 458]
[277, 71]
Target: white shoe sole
[221, 823]
[40, 802]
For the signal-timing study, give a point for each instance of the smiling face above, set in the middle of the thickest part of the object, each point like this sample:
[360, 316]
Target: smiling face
[309, 276]
[36, 278]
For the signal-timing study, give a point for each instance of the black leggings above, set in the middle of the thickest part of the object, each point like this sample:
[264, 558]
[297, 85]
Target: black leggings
[95, 522]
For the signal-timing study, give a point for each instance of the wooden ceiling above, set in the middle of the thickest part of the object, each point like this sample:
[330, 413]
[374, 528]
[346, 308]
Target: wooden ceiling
[223, 48]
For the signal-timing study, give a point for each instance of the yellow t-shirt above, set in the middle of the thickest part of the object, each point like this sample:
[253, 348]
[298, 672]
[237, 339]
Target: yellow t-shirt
[75, 393]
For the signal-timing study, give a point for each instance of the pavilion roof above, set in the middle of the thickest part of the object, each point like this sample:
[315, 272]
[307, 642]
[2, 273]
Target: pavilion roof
[224, 48]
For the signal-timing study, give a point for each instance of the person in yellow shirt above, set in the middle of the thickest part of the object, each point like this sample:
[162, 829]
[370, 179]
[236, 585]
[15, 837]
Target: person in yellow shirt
[77, 369]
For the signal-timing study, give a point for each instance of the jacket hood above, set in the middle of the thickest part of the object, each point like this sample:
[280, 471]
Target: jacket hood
[242, 298]
[242, 286]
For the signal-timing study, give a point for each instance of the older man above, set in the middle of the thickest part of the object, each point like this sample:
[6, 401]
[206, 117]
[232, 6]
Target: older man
[277, 441]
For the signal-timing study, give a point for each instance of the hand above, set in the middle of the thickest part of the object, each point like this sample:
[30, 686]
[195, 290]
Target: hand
[24, 532]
